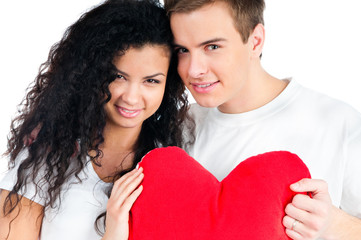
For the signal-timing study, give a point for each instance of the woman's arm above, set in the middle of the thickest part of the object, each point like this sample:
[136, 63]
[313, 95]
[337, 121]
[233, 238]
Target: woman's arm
[124, 193]
[24, 222]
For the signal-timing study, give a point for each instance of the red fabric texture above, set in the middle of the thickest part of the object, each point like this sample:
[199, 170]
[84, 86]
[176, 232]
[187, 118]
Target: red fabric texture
[181, 200]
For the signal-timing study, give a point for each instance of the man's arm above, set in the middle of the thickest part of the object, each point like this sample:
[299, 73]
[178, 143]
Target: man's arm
[344, 226]
[316, 217]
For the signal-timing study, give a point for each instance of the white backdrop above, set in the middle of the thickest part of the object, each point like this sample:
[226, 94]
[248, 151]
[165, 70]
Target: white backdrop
[318, 42]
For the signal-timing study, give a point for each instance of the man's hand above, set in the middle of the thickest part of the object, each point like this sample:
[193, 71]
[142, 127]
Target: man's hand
[308, 217]
[315, 217]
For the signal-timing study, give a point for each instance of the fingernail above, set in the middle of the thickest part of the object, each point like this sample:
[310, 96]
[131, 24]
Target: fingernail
[295, 185]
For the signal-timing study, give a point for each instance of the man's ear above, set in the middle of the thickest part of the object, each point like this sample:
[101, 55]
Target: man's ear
[256, 40]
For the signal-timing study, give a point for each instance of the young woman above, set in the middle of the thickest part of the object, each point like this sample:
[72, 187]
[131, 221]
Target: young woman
[104, 98]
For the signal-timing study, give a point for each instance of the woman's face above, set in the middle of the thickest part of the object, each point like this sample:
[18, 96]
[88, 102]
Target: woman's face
[138, 90]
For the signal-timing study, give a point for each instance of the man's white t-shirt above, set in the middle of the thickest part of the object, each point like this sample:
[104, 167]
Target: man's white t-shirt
[323, 132]
[81, 204]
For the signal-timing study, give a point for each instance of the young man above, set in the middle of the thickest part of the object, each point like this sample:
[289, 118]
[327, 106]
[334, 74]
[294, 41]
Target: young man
[244, 111]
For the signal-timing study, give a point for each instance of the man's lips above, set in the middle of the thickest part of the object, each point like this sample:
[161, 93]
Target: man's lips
[204, 87]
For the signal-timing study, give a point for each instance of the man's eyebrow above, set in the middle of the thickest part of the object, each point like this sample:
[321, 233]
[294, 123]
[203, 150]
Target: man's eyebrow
[213, 40]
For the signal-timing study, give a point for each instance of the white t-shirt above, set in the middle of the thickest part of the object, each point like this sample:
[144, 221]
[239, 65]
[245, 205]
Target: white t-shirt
[323, 132]
[81, 204]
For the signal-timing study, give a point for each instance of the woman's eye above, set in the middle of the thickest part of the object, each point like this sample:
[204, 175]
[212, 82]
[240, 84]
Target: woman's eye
[119, 76]
[212, 47]
[152, 81]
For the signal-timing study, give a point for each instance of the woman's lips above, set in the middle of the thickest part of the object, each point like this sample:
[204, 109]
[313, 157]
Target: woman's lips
[128, 113]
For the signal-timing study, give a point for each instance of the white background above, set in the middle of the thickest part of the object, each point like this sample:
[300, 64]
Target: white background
[318, 42]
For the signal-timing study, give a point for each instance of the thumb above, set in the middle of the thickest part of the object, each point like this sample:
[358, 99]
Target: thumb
[316, 187]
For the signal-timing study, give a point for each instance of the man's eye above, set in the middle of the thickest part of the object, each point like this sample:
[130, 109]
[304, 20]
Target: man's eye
[181, 50]
[212, 47]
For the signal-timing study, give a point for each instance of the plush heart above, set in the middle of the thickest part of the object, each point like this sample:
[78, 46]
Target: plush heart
[181, 200]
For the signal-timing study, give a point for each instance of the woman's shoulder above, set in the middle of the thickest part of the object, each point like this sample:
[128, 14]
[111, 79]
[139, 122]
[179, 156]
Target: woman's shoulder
[31, 190]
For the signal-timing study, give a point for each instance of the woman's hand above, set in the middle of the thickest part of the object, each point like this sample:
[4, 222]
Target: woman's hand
[124, 193]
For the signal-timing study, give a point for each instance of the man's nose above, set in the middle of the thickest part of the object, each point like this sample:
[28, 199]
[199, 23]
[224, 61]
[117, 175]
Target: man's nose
[197, 67]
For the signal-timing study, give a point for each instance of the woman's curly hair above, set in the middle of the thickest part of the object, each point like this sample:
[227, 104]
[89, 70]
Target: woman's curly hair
[64, 107]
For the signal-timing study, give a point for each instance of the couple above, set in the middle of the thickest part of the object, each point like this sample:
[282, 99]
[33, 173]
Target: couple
[109, 93]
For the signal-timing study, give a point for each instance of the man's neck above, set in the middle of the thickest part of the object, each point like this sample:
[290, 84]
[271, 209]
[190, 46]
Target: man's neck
[260, 89]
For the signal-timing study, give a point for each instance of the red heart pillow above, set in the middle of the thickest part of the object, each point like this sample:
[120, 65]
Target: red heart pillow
[181, 200]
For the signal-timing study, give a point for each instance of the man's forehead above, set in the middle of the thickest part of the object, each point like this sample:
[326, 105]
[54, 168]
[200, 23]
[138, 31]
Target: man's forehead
[200, 26]
[209, 9]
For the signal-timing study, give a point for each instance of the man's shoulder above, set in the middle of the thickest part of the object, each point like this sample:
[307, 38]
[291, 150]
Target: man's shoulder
[326, 109]
[326, 104]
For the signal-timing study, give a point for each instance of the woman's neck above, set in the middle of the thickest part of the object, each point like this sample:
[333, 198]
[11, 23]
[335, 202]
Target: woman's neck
[118, 151]
[120, 139]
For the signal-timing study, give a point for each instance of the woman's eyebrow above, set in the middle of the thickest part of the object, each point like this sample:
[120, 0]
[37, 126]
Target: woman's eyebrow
[123, 73]
[154, 75]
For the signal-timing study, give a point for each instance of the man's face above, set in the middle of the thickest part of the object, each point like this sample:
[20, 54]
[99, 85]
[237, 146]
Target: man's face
[214, 63]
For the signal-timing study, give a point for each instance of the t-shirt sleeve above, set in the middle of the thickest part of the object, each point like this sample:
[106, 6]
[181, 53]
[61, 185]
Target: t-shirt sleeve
[31, 190]
[351, 194]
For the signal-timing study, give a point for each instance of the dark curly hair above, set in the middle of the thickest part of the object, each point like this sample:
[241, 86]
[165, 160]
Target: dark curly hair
[64, 106]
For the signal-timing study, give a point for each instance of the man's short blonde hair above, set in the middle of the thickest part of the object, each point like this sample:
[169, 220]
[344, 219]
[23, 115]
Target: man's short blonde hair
[247, 14]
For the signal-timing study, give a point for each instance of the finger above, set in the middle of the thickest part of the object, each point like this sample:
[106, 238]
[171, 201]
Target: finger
[128, 203]
[293, 225]
[310, 223]
[132, 181]
[297, 213]
[296, 229]
[293, 234]
[121, 180]
[127, 190]
[310, 185]
[124, 181]
[299, 230]
[305, 203]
